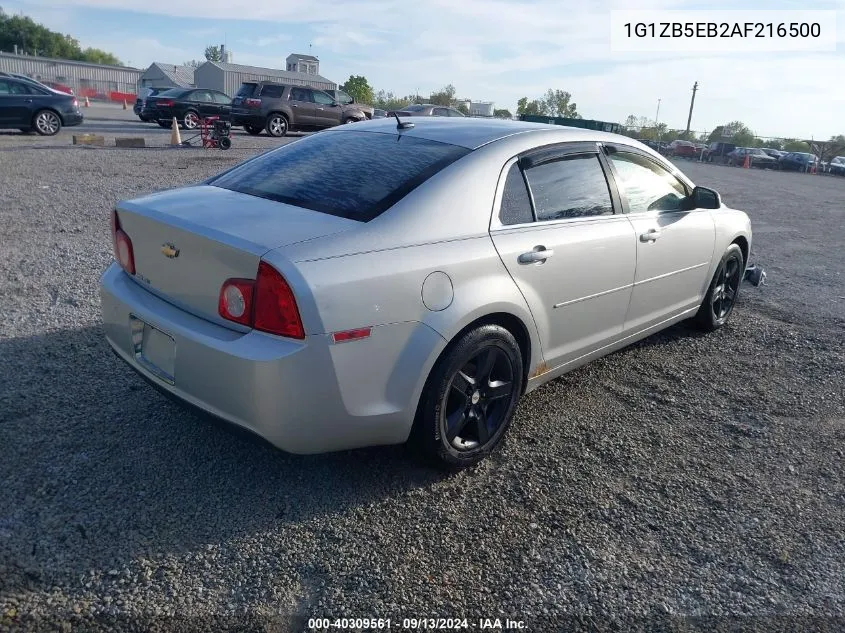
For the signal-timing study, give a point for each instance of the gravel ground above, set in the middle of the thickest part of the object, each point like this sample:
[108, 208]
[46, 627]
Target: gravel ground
[688, 477]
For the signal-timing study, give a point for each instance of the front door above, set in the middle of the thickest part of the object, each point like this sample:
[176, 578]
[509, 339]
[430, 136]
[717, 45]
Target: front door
[327, 111]
[674, 244]
[302, 104]
[567, 246]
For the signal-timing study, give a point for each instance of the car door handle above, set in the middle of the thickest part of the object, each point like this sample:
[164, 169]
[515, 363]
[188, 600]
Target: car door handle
[651, 235]
[293, 105]
[321, 108]
[27, 100]
[539, 254]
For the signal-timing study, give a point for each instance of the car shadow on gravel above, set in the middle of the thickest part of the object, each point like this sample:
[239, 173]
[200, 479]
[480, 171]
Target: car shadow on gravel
[98, 466]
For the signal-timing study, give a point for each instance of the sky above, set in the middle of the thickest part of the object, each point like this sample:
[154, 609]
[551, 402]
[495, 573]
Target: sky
[490, 50]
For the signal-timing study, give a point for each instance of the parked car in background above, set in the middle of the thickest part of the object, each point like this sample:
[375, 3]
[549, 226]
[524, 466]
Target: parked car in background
[757, 158]
[717, 152]
[681, 149]
[570, 244]
[52, 86]
[279, 108]
[346, 99]
[141, 99]
[188, 105]
[797, 161]
[26, 106]
[774, 153]
[379, 113]
[426, 109]
[837, 166]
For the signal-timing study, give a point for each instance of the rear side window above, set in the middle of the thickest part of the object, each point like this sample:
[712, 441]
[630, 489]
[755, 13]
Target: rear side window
[323, 172]
[516, 205]
[247, 90]
[570, 187]
[272, 92]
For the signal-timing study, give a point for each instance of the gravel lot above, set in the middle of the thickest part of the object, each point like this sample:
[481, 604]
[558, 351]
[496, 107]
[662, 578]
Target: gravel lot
[697, 476]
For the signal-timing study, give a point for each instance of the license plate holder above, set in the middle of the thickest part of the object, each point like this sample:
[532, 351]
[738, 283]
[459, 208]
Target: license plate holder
[154, 349]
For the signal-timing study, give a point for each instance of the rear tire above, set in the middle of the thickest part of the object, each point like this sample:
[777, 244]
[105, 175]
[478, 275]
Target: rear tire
[46, 123]
[277, 125]
[469, 399]
[723, 292]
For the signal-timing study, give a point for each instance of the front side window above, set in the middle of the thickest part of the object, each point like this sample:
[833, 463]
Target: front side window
[344, 98]
[569, 187]
[647, 186]
[322, 98]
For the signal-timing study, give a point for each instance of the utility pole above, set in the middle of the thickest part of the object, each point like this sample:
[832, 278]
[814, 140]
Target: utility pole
[691, 104]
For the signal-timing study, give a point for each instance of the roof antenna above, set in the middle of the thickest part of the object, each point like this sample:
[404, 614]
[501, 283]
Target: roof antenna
[402, 125]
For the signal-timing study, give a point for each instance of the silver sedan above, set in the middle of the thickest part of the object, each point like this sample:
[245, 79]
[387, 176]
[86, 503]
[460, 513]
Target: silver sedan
[401, 282]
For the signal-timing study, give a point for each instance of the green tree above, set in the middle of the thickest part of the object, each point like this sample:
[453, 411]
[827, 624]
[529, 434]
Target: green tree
[35, 39]
[193, 63]
[463, 109]
[213, 54]
[389, 101]
[502, 114]
[794, 145]
[358, 87]
[534, 107]
[735, 132]
[559, 104]
[443, 97]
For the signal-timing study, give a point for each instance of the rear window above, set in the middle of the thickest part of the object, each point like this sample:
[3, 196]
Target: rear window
[247, 90]
[353, 175]
[414, 108]
[173, 93]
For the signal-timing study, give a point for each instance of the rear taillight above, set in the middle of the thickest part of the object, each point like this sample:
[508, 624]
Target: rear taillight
[252, 103]
[165, 103]
[266, 304]
[74, 103]
[123, 252]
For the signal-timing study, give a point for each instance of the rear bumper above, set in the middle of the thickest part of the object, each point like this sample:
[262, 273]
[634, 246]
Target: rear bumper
[248, 118]
[301, 396]
[72, 118]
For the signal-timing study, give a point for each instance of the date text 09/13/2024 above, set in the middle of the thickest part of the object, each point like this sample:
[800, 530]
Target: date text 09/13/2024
[411, 624]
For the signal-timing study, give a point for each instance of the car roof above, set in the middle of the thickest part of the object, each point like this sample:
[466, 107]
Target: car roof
[473, 133]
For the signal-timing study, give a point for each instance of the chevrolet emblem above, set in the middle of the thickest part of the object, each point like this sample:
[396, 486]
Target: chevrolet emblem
[169, 250]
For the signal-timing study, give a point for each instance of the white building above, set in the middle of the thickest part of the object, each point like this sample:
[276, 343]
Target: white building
[481, 108]
[299, 63]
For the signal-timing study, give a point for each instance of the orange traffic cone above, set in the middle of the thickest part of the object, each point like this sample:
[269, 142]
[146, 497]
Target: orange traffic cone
[175, 137]
[86, 102]
[124, 104]
[747, 163]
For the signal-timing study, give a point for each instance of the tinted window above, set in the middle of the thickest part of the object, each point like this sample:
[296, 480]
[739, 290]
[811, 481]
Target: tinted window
[440, 112]
[516, 205]
[300, 94]
[273, 92]
[173, 93]
[322, 98]
[414, 108]
[247, 90]
[342, 97]
[202, 96]
[571, 187]
[323, 172]
[4, 87]
[219, 97]
[647, 186]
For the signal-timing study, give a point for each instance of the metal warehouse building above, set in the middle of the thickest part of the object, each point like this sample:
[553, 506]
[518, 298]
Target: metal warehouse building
[160, 75]
[229, 77]
[94, 81]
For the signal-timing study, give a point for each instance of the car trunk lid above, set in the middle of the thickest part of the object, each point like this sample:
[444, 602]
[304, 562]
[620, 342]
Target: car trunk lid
[188, 242]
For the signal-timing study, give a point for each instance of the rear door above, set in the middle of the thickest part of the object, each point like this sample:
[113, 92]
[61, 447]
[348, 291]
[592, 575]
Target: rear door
[674, 244]
[328, 112]
[559, 230]
[223, 102]
[303, 107]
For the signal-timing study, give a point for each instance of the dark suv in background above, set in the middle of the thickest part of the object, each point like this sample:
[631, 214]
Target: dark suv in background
[279, 108]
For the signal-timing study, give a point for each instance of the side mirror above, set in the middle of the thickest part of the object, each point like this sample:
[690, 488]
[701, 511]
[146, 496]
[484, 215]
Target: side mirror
[704, 198]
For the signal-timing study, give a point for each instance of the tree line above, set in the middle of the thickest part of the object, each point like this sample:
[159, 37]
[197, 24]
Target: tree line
[34, 39]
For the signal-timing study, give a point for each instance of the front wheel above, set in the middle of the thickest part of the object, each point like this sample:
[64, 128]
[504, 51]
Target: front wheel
[469, 399]
[721, 297]
[47, 123]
